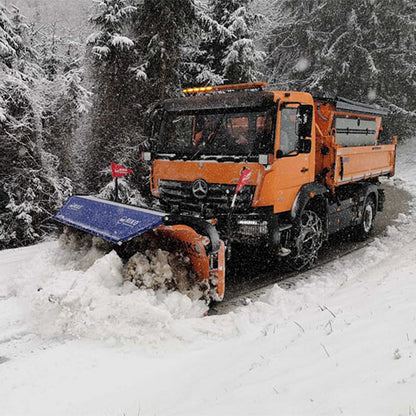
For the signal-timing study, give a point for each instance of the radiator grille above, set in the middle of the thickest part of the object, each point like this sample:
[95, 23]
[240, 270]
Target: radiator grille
[218, 197]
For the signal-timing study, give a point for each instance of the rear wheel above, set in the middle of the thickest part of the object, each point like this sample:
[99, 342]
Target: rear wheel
[306, 241]
[364, 229]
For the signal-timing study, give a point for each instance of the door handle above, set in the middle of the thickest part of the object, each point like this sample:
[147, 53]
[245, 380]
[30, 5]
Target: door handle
[303, 170]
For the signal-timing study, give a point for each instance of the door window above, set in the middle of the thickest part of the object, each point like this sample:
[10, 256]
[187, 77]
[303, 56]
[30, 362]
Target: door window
[288, 130]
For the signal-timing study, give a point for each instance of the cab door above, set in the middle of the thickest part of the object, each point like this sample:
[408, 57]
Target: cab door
[294, 152]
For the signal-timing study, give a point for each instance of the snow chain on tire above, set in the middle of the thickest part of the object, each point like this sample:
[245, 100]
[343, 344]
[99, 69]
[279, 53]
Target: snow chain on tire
[306, 241]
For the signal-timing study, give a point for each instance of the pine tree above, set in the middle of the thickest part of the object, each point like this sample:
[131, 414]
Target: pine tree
[394, 56]
[232, 53]
[363, 50]
[165, 29]
[10, 41]
[68, 105]
[65, 97]
[115, 112]
[50, 54]
[30, 189]
[196, 64]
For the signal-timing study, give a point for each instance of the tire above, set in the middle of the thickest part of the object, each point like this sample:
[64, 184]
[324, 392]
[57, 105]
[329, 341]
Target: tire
[307, 239]
[363, 230]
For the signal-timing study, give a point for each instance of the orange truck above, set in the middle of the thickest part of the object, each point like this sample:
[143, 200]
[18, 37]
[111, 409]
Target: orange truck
[238, 164]
[315, 165]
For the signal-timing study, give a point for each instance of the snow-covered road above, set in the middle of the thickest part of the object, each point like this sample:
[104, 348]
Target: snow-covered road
[75, 341]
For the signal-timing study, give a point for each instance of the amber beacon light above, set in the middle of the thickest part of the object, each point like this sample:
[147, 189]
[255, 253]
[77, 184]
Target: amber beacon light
[231, 87]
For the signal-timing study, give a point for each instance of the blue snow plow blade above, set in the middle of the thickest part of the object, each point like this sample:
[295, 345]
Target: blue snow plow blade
[106, 219]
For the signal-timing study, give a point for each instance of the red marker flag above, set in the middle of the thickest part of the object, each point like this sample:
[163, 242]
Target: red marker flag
[119, 171]
[243, 181]
[244, 178]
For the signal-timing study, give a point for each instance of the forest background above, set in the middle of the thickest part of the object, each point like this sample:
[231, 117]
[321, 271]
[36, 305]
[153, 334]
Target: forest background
[77, 80]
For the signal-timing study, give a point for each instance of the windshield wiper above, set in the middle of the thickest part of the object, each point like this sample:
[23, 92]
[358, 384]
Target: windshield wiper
[224, 158]
[197, 152]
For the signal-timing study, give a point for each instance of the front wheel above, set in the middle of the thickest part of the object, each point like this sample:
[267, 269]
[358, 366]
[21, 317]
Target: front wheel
[307, 239]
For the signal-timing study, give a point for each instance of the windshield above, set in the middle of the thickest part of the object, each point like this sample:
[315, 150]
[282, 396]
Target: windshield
[213, 133]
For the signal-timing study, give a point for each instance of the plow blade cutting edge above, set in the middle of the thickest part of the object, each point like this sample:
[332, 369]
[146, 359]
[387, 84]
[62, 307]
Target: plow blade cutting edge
[120, 223]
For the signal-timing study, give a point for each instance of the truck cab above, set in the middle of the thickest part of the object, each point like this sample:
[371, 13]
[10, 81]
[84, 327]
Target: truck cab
[205, 141]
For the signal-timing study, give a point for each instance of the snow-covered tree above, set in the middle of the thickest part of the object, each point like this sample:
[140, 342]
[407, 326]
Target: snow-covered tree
[30, 189]
[196, 66]
[187, 42]
[61, 88]
[115, 107]
[364, 50]
[68, 104]
[51, 56]
[165, 31]
[111, 19]
[11, 43]
[231, 52]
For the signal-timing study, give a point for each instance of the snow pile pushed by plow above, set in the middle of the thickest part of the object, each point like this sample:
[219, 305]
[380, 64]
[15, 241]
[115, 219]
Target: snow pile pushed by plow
[150, 268]
[342, 341]
[158, 269]
[62, 300]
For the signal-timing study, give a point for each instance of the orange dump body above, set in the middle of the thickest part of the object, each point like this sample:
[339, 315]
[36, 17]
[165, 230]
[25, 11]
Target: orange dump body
[340, 160]
[360, 163]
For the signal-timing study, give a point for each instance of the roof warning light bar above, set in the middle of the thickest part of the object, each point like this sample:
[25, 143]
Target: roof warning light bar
[231, 87]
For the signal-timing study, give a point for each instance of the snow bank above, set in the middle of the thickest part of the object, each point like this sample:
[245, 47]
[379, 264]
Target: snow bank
[61, 300]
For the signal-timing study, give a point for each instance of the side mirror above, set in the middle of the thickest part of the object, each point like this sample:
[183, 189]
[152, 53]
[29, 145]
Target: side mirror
[279, 154]
[305, 120]
[305, 146]
[146, 156]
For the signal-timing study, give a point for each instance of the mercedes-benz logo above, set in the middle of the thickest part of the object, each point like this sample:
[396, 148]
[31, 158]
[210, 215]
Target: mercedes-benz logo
[200, 189]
